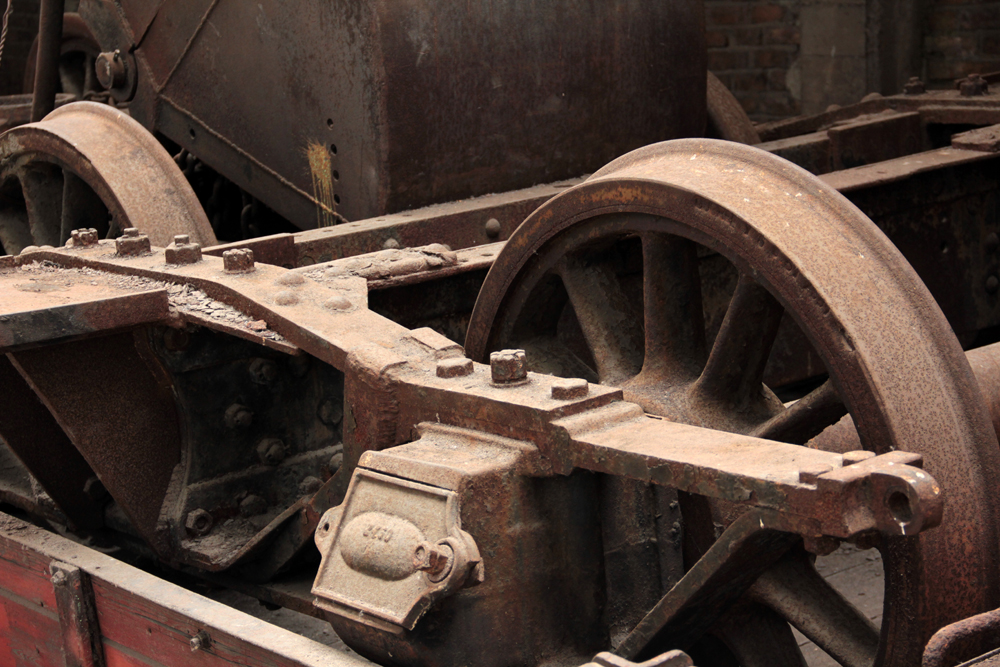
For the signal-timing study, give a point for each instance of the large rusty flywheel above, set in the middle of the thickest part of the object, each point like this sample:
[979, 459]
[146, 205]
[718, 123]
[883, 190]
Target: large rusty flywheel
[610, 281]
[89, 165]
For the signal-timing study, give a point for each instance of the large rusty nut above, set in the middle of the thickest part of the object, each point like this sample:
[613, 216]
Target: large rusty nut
[508, 367]
[84, 237]
[199, 522]
[914, 86]
[132, 243]
[182, 251]
[271, 451]
[239, 260]
[111, 72]
[973, 85]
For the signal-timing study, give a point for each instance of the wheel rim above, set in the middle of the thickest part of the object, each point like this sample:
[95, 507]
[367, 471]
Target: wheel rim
[801, 247]
[90, 165]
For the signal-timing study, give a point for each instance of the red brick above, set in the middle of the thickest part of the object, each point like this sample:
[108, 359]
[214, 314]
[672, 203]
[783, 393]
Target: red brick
[776, 79]
[784, 35]
[746, 82]
[726, 60]
[746, 37]
[773, 58]
[767, 13]
[727, 15]
[716, 39]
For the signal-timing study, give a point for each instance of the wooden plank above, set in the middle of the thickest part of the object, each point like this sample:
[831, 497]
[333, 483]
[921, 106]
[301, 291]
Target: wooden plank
[144, 621]
[77, 617]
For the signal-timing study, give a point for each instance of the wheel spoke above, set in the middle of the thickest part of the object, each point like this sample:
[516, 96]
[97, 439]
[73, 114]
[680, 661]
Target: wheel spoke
[42, 187]
[795, 590]
[674, 324]
[81, 207]
[735, 369]
[612, 332]
[758, 637]
[806, 418]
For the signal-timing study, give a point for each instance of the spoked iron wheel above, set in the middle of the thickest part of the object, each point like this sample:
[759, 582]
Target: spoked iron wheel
[88, 165]
[622, 250]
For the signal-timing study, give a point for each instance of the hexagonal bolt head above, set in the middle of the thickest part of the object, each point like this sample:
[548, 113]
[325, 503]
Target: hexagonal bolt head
[132, 243]
[570, 388]
[508, 367]
[238, 261]
[182, 251]
[454, 368]
[309, 486]
[84, 237]
[263, 371]
[238, 416]
[271, 451]
[973, 85]
[914, 86]
[252, 506]
[199, 522]
[111, 69]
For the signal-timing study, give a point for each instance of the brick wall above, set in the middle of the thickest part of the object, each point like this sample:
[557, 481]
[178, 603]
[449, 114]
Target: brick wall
[753, 48]
[963, 36]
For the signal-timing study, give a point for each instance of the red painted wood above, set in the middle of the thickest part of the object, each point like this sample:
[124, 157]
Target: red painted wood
[143, 621]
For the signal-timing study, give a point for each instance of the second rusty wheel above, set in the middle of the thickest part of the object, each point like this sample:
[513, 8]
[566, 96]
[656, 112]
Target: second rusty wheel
[90, 165]
[603, 281]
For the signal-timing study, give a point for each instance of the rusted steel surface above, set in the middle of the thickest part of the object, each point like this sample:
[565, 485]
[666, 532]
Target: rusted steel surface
[142, 618]
[239, 370]
[393, 381]
[371, 137]
[963, 641]
[936, 106]
[462, 224]
[740, 203]
[79, 168]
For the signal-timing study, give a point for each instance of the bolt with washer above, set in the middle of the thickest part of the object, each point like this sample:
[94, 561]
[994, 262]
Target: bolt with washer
[84, 237]
[182, 251]
[508, 367]
[132, 243]
[914, 86]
